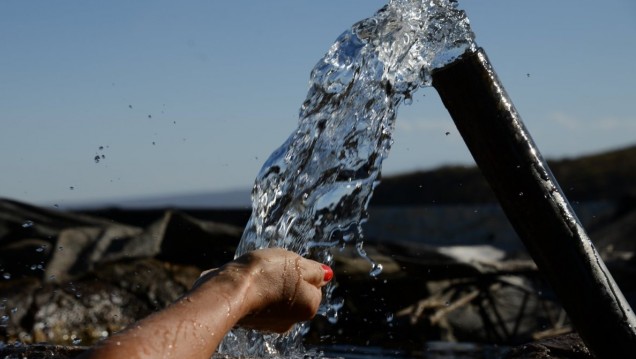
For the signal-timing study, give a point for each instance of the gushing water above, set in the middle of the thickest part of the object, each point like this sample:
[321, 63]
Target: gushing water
[312, 193]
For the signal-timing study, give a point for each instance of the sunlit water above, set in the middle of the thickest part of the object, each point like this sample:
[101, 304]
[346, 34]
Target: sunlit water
[312, 193]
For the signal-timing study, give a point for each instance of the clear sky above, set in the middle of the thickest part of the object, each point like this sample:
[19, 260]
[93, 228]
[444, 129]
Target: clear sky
[189, 96]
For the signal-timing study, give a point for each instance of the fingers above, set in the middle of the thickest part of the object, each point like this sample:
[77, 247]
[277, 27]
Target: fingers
[284, 288]
[311, 271]
[316, 273]
[328, 272]
[309, 300]
[279, 317]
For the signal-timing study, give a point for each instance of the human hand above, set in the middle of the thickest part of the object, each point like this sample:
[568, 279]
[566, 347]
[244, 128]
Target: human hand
[268, 289]
[282, 288]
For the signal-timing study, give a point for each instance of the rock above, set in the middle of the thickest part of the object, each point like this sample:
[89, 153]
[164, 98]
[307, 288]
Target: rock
[39, 351]
[567, 346]
[93, 307]
[69, 279]
[57, 247]
[73, 279]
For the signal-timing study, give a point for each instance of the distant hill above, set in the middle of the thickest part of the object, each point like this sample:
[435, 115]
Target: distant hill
[239, 199]
[605, 176]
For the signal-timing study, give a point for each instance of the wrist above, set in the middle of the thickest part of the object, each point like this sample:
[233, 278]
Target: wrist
[226, 290]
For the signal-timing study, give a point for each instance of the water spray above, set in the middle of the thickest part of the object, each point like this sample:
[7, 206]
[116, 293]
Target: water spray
[312, 193]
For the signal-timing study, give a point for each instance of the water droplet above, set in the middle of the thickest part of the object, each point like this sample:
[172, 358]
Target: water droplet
[40, 249]
[14, 310]
[27, 224]
[97, 158]
[6, 275]
[376, 269]
[76, 341]
[389, 317]
[407, 39]
[520, 194]
[4, 319]
[332, 315]
[71, 188]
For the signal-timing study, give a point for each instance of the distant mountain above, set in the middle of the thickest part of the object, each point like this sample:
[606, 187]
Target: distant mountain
[606, 176]
[239, 198]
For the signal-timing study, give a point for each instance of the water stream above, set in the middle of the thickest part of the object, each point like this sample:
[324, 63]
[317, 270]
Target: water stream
[311, 195]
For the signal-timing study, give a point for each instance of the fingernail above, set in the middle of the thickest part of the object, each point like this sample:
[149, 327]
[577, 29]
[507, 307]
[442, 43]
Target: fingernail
[328, 272]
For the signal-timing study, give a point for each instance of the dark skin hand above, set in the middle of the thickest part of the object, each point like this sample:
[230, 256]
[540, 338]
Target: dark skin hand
[268, 289]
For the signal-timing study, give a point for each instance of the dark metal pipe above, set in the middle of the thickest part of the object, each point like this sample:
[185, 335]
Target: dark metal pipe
[535, 205]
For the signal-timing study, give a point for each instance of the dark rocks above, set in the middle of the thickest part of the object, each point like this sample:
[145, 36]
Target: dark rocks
[39, 351]
[567, 346]
[92, 307]
[71, 280]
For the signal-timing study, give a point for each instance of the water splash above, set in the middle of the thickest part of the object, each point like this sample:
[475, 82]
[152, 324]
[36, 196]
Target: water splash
[313, 191]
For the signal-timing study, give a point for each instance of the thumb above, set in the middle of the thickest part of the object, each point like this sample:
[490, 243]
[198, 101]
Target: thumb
[316, 273]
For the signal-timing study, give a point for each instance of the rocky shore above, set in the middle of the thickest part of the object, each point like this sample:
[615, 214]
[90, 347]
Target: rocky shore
[70, 279]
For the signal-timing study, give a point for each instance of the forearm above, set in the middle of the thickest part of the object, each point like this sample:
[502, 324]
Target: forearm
[192, 327]
[268, 289]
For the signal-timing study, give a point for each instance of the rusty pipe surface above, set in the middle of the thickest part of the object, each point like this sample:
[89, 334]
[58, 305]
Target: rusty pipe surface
[535, 205]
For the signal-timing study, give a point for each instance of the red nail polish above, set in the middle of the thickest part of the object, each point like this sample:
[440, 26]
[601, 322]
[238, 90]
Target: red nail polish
[328, 272]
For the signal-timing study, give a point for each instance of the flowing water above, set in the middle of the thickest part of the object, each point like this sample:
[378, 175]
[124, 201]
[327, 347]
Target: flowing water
[312, 193]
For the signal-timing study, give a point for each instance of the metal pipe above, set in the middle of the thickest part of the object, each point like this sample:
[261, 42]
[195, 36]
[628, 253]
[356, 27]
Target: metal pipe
[535, 205]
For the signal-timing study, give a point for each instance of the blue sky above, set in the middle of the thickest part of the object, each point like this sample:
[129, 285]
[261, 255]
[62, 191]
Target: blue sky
[193, 96]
